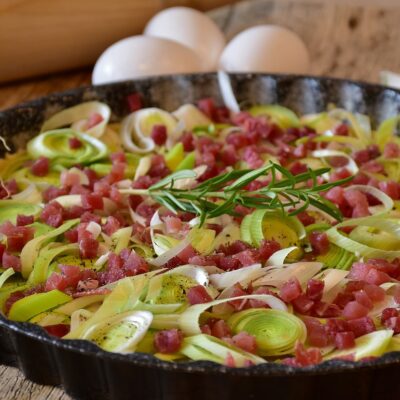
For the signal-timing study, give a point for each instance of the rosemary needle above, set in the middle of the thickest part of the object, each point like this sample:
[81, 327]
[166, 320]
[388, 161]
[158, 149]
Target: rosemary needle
[220, 195]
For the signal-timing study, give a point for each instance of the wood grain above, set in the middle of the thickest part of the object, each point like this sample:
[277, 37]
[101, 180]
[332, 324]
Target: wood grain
[344, 41]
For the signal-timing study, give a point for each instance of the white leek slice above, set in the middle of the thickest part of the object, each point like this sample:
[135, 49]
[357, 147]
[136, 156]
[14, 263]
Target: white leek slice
[120, 333]
[333, 279]
[279, 257]
[83, 179]
[165, 321]
[71, 200]
[79, 303]
[225, 87]
[325, 154]
[389, 78]
[168, 255]
[77, 113]
[136, 128]
[48, 318]
[156, 223]
[189, 319]
[242, 275]
[373, 344]
[120, 239]
[191, 116]
[5, 275]
[210, 348]
[230, 234]
[29, 195]
[143, 167]
[276, 277]
[78, 317]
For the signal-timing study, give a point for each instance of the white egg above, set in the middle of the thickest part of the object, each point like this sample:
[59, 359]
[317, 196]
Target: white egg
[191, 28]
[140, 56]
[266, 48]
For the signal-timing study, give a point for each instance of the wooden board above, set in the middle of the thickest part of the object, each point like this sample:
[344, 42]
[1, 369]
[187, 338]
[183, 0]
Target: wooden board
[344, 41]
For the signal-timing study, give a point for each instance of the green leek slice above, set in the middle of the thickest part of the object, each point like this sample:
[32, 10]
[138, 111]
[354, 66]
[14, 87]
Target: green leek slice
[373, 344]
[336, 257]
[31, 250]
[120, 333]
[276, 331]
[175, 156]
[55, 146]
[77, 114]
[187, 163]
[9, 209]
[210, 348]
[28, 307]
[282, 116]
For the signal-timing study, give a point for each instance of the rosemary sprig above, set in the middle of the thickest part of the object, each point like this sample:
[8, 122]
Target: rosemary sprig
[221, 194]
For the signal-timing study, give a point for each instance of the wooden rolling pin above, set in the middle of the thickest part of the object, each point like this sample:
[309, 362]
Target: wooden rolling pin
[38, 37]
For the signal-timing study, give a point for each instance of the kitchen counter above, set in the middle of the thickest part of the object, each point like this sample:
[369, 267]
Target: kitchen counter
[346, 39]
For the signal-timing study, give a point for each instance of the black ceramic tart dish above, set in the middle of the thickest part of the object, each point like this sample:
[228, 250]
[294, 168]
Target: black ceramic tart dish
[87, 372]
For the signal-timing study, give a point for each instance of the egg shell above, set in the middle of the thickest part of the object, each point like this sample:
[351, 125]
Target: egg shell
[191, 28]
[140, 56]
[266, 48]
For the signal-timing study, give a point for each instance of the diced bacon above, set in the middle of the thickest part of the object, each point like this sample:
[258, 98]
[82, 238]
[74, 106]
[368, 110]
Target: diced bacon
[134, 101]
[92, 176]
[118, 157]
[342, 129]
[11, 261]
[305, 357]
[74, 143]
[374, 292]
[229, 361]
[71, 273]
[168, 341]
[316, 333]
[359, 271]
[362, 298]
[117, 172]
[17, 236]
[14, 297]
[206, 329]
[343, 298]
[102, 188]
[73, 212]
[252, 157]
[52, 214]
[40, 167]
[233, 248]
[391, 150]
[376, 277]
[238, 291]
[158, 167]
[92, 202]
[302, 304]
[23, 220]
[267, 248]
[229, 155]
[220, 329]
[8, 188]
[245, 341]
[135, 265]
[146, 210]
[237, 139]
[92, 292]
[228, 263]
[335, 325]
[187, 253]
[339, 174]
[2, 250]
[298, 168]
[345, 340]
[90, 217]
[361, 326]
[290, 290]
[72, 235]
[58, 330]
[388, 313]
[188, 142]
[315, 289]
[319, 242]
[159, 134]
[79, 189]
[111, 226]
[336, 195]
[198, 295]
[88, 247]
[365, 155]
[354, 310]
[396, 294]
[373, 167]
[394, 324]
[391, 188]
[324, 310]
[173, 224]
[69, 179]
[53, 192]
[305, 218]
[93, 120]
[248, 257]
[358, 201]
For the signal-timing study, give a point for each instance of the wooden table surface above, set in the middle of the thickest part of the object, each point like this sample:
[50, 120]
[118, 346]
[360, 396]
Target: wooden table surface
[349, 41]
